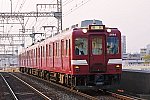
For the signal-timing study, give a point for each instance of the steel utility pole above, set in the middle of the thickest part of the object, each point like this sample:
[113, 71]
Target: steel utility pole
[11, 6]
[54, 10]
[59, 9]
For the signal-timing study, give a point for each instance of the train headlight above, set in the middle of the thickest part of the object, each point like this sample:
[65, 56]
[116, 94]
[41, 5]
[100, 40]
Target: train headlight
[117, 66]
[108, 30]
[77, 68]
[84, 30]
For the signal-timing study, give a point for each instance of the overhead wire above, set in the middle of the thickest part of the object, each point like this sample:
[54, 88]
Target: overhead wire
[42, 20]
[18, 11]
[77, 6]
[16, 5]
[67, 2]
[21, 6]
[65, 14]
[63, 4]
[2, 5]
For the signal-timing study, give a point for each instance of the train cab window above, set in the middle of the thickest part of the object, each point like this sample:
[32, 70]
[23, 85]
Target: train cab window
[112, 45]
[97, 45]
[81, 46]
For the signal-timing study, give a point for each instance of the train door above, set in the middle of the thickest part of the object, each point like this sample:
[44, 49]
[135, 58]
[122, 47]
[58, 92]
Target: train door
[97, 53]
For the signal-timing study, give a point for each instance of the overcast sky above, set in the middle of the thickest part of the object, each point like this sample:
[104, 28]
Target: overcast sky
[131, 17]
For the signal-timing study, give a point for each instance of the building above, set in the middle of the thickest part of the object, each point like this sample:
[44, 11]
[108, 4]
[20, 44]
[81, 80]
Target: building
[129, 56]
[148, 49]
[143, 52]
[131, 59]
[123, 41]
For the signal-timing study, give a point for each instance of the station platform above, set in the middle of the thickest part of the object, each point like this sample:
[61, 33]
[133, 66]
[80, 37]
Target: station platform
[10, 69]
[136, 80]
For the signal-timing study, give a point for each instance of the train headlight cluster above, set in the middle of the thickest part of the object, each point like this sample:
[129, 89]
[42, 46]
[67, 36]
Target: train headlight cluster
[117, 66]
[108, 30]
[77, 68]
[84, 30]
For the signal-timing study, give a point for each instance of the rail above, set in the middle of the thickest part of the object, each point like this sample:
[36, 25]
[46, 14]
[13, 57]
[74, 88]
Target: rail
[88, 97]
[14, 96]
[47, 98]
[123, 97]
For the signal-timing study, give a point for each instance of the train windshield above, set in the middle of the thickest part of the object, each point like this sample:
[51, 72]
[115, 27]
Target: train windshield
[112, 45]
[97, 45]
[81, 46]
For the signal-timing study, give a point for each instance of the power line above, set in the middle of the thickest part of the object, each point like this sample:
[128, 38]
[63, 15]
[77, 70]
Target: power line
[67, 2]
[76, 7]
[18, 11]
[21, 6]
[37, 18]
[83, 2]
[16, 5]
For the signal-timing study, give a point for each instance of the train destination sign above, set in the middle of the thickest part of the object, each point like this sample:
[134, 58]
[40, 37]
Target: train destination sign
[96, 27]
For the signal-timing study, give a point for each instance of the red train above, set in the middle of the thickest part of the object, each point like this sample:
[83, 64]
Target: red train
[89, 56]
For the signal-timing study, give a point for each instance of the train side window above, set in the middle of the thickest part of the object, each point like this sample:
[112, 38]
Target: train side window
[62, 47]
[66, 47]
[112, 45]
[50, 50]
[58, 49]
[36, 56]
[81, 46]
[46, 51]
[69, 44]
[43, 51]
[34, 53]
[27, 57]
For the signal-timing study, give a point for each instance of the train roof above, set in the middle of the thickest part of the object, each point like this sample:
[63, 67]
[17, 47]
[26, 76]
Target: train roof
[67, 32]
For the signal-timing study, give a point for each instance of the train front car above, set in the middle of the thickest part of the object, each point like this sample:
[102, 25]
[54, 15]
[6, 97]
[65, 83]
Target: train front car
[96, 57]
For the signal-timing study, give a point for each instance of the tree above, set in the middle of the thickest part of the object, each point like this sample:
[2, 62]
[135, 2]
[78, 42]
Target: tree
[147, 58]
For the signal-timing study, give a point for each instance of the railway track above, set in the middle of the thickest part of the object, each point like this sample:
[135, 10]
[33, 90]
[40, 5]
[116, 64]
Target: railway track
[51, 90]
[55, 91]
[97, 96]
[123, 96]
[13, 88]
[108, 95]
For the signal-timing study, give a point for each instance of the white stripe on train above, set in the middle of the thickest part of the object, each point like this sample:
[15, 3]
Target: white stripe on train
[115, 61]
[79, 62]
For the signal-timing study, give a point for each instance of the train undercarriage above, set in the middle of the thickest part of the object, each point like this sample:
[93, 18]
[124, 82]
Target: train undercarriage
[83, 82]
